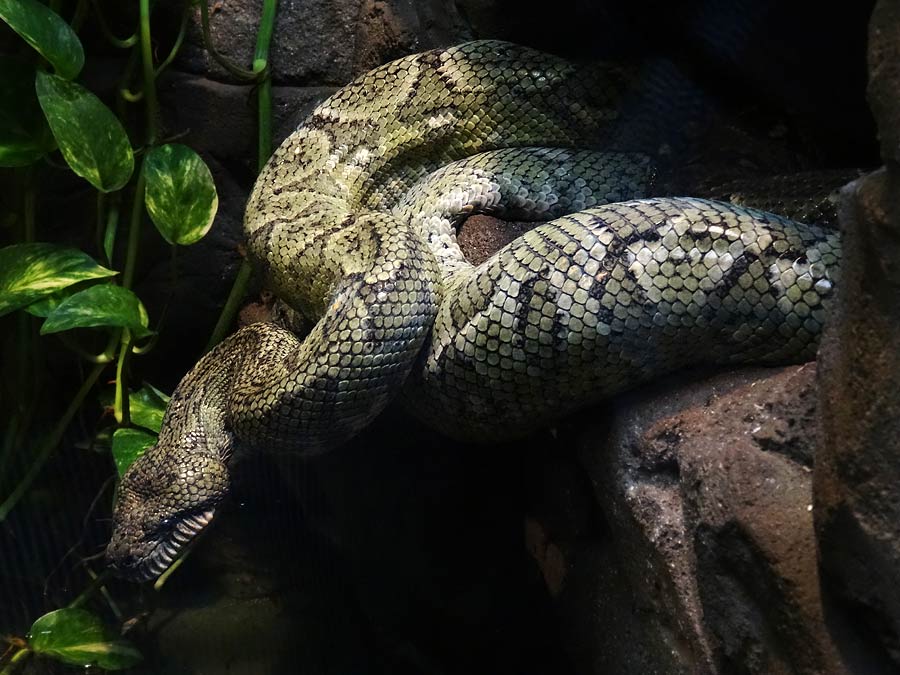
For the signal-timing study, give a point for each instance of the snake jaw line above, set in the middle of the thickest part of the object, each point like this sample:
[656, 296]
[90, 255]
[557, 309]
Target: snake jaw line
[166, 498]
[168, 550]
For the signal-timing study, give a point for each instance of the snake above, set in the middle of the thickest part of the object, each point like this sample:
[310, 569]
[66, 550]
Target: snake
[353, 224]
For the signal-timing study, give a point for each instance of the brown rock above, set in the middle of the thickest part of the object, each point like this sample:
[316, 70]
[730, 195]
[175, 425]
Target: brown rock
[481, 236]
[708, 550]
[857, 475]
[858, 470]
[548, 556]
[884, 76]
[324, 42]
[221, 119]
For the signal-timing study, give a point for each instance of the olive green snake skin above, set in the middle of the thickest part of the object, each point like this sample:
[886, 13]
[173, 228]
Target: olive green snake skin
[353, 222]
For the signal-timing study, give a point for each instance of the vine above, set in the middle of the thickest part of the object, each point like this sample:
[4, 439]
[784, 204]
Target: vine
[67, 288]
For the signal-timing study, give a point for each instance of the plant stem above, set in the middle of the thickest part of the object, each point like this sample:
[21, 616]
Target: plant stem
[122, 412]
[149, 94]
[226, 317]
[149, 73]
[50, 443]
[264, 94]
[112, 225]
[237, 71]
[170, 570]
[264, 150]
[96, 583]
[17, 657]
[113, 607]
[182, 31]
[264, 138]
[134, 228]
[102, 357]
[130, 41]
[266, 29]
[101, 222]
[78, 17]
[125, 94]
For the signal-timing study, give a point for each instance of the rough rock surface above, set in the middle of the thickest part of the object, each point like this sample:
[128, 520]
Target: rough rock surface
[858, 469]
[324, 41]
[701, 556]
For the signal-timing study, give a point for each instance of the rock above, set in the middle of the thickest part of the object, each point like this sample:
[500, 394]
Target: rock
[857, 502]
[323, 41]
[389, 29]
[702, 540]
[481, 236]
[884, 76]
[856, 494]
[220, 119]
[606, 627]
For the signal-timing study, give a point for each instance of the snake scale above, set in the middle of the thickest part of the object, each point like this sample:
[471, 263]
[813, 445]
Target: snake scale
[353, 221]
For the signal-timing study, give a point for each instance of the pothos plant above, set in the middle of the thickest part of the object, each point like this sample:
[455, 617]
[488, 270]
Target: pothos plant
[136, 176]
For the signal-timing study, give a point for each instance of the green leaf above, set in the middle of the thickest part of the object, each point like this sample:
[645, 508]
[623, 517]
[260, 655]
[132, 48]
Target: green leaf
[45, 306]
[29, 272]
[101, 305]
[181, 195]
[128, 445]
[80, 638]
[147, 406]
[90, 137]
[46, 31]
[24, 134]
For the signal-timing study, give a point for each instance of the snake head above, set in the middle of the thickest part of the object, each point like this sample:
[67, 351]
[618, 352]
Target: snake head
[167, 497]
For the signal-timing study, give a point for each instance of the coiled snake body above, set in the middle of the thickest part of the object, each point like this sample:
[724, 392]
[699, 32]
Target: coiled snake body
[353, 222]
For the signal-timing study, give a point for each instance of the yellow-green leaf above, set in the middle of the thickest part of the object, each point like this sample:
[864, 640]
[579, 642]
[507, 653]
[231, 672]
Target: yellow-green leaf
[128, 445]
[48, 303]
[181, 195]
[104, 305]
[78, 637]
[46, 32]
[146, 406]
[90, 137]
[29, 272]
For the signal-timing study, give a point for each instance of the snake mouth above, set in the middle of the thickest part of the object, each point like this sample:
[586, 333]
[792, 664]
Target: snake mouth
[172, 547]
